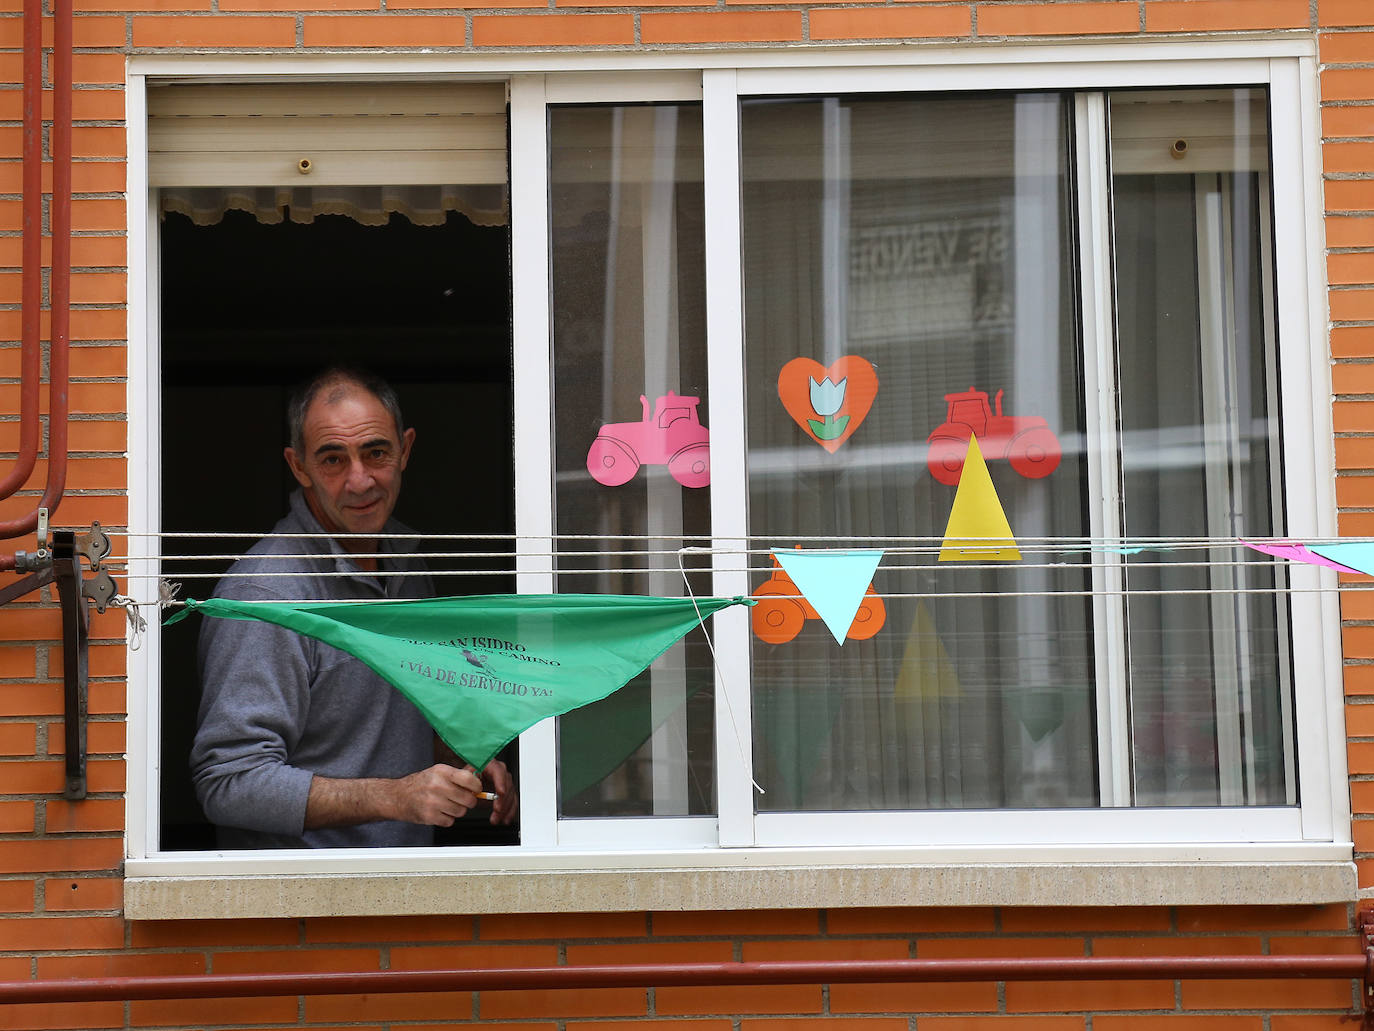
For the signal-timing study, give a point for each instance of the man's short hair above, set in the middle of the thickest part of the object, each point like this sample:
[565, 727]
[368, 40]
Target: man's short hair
[336, 383]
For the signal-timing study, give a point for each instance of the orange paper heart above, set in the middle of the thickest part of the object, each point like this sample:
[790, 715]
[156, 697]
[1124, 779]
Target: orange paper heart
[830, 411]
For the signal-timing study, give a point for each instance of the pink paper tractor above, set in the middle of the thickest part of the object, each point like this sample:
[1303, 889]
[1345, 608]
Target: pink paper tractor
[674, 437]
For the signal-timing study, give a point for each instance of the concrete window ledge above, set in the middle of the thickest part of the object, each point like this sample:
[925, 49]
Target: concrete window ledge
[179, 896]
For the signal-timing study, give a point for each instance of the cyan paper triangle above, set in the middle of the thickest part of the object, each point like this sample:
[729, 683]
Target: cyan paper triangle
[1358, 556]
[833, 582]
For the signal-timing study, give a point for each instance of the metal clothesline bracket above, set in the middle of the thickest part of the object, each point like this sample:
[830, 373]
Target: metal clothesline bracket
[72, 595]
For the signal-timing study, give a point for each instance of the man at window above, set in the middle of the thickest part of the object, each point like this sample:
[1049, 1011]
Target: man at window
[300, 744]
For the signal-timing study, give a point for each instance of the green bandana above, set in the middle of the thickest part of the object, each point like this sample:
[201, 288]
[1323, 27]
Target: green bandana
[482, 669]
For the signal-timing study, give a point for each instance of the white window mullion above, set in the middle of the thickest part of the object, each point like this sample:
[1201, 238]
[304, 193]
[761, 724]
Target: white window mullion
[533, 406]
[729, 476]
[1099, 368]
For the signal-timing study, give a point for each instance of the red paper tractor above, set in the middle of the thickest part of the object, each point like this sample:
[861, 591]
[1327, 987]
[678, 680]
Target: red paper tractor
[1026, 441]
[777, 620]
[674, 437]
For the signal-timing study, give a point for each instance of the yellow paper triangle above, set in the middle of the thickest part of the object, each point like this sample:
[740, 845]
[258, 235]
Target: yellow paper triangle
[926, 671]
[977, 514]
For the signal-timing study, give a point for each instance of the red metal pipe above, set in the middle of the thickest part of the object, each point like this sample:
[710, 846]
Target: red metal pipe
[31, 293]
[59, 280]
[211, 986]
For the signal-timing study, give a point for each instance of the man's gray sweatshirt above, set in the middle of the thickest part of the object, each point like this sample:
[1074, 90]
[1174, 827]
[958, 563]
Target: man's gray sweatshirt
[278, 707]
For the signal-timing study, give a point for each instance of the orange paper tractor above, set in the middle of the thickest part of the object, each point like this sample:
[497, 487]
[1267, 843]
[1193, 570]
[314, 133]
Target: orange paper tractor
[1026, 441]
[777, 620]
[674, 437]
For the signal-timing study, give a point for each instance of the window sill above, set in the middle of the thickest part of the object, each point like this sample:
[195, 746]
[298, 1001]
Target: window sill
[361, 885]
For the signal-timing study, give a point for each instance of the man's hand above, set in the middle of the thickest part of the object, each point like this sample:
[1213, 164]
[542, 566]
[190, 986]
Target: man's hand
[497, 779]
[436, 796]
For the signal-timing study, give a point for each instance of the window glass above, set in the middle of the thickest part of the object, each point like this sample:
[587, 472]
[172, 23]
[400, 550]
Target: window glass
[632, 460]
[926, 243]
[1210, 699]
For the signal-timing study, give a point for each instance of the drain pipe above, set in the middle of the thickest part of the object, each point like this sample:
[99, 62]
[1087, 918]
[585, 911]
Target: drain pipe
[59, 281]
[1085, 968]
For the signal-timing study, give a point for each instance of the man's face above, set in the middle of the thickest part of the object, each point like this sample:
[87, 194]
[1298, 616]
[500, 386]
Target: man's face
[352, 462]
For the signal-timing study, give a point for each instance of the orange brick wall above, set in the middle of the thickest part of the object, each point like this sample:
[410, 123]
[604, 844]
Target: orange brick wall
[60, 862]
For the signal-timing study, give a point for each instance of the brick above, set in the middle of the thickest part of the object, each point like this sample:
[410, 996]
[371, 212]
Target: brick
[886, 22]
[1350, 377]
[1002, 1023]
[681, 1025]
[1362, 796]
[910, 921]
[1265, 994]
[754, 923]
[1352, 305]
[1349, 194]
[99, 105]
[16, 897]
[437, 957]
[567, 1004]
[1350, 268]
[1334, 945]
[1360, 757]
[1344, 13]
[83, 894]
[387, 1008]
[27, 623]
[98, 68]
[98, 324]
[720, 27]
[98, 252]
[98, 141]
[18, 738]
[16, 662]
[220, 31]
[97, 435]
[96, 215]
[1009, 19]
[1362, 834]
[771, 950]
[99, 288]
[1353, 416]
[407, 30]
[554, 30]
[821, 1024]
[52, 854]
[389, 929]
[1357, 605]
[734, 1000]
[1222, 15]
[85, 1016]
[502, 5]
[1354, 452]
[94, 31]
[1364, 872]
[1359, 719]
[98, 176]
[303, 5]
[557, 926]
[1183, 1022]
[1262, 918]
[1347, 157]
[1058, 996]
[976, 997]
[1087, 918]
[153, 934]
[142, 5]
[651, 952]
[213, 1011]
[1353, 121]
[1346, 47]
[1000, 946]
[89, 814]
[16, 817]
[122, 964]
[1174, 945]
[63, 932]
[297, 960]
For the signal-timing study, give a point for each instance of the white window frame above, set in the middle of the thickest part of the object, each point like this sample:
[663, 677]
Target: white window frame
[834, 858]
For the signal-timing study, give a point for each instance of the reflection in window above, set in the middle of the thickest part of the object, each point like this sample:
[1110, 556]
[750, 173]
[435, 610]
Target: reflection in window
[1209, 671]
[631, 456]
[933, 239]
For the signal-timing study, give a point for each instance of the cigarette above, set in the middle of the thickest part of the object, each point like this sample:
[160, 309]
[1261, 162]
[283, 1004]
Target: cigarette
[488, 796]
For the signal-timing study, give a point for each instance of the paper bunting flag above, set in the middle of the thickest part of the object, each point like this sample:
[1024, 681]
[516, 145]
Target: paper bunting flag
[977, 513]
[833, 582]
[927, 673]
[1295, 552]
[484, 668]
[1354, 557]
